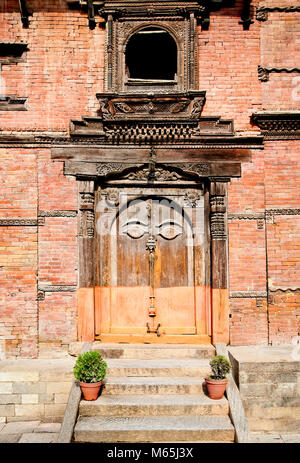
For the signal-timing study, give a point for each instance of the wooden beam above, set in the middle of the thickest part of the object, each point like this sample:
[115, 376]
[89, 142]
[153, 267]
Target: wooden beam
[91, 14]
[24, 13]
[246, 15]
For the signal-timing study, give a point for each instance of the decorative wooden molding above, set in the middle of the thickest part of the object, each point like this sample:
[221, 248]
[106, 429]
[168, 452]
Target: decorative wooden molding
[18, 222]
[13, 103]
[57, 213]
[57, 288]
[54, 289]
[247, 294]
[259, 217]
[263, 73]
[278, 125]
[246, 216]
[290, 211]
[262, 11]
[285, 289]
[163, 119]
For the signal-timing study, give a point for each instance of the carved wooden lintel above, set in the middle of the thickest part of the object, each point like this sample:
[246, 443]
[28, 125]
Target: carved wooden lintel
[138, 106]
[139, 172]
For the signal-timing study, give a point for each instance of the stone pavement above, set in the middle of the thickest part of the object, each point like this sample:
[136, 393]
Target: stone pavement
[272, 438]
[29, 432]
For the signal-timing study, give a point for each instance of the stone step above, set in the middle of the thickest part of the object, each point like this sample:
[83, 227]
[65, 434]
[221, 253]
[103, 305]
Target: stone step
[154, 429]
[153, 385]
[158, 367]
[270, 390]
[153, 405]
[148, 351]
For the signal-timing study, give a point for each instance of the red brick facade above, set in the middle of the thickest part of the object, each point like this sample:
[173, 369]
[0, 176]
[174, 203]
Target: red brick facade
[62, 71]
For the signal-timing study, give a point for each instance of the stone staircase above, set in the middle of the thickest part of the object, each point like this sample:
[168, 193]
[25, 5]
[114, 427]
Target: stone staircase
[154, 393]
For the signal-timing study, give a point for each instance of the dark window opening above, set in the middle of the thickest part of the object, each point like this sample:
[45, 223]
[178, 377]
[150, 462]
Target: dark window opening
[151, 54]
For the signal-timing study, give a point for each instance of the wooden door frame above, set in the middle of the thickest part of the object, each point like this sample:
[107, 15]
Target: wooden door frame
[216, 221]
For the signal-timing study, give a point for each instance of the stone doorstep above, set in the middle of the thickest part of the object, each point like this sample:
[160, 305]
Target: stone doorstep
[153, 385]
[147, 351]
[154, 405]
[152, 428]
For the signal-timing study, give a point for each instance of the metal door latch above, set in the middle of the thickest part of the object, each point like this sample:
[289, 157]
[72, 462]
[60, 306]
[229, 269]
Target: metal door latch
[153, 331]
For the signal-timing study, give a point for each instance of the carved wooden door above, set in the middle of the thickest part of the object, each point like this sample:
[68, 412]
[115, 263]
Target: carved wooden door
[150, 269]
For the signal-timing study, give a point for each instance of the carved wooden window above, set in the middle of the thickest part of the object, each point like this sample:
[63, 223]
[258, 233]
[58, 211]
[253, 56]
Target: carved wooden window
[168, 39]
[151, 57]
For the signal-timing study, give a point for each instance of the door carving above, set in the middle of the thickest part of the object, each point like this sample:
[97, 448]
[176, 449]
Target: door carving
[150, 266]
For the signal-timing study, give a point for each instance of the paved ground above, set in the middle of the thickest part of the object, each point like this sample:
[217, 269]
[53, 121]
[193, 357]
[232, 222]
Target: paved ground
[271, 438]
[35, 432]
[30, 432]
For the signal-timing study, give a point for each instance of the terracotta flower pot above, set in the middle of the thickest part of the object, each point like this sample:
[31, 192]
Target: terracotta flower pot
[216, 388]
[90, 391]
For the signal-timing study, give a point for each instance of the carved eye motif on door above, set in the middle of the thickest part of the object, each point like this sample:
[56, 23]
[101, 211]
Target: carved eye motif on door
[135, 229]
[169, 230]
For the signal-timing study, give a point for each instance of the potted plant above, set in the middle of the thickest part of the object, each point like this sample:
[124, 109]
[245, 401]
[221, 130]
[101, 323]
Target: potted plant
[217, 382]
[90, 370]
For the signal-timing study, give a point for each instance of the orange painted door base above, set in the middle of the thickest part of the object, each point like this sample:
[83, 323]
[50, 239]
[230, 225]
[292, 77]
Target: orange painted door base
[150, 264]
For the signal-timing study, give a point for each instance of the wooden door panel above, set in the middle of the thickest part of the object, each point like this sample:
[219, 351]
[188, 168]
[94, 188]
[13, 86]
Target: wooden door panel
[176, 309]
[122, 300]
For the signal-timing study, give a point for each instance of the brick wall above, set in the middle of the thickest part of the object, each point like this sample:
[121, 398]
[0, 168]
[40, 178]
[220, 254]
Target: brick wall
[63, 71]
